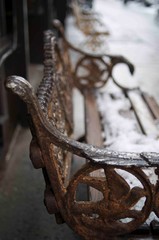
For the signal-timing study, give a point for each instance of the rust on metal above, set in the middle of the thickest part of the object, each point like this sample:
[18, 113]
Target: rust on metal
[115, 212]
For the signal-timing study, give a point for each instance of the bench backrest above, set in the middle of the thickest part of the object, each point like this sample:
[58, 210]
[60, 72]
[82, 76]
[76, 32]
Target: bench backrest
[51, 114]
[55, 98]
[51, 120]
[55, 90]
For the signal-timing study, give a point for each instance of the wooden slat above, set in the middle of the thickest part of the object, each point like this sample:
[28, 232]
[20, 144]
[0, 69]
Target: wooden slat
[93, 135]
[143, 113]
[93, 124]
[151, 102]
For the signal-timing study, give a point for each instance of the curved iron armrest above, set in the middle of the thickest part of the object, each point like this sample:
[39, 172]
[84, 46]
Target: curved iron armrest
[113, 59]
[95, 155]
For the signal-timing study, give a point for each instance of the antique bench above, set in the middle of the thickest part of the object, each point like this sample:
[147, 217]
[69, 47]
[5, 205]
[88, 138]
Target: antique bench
[90, 24]
[88, 21]
[119, 191]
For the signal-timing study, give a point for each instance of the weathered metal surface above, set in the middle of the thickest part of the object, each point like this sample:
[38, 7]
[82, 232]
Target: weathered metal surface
[50, 111]
[88, 21]
[91, 70]
[115, 213]
[36, 155]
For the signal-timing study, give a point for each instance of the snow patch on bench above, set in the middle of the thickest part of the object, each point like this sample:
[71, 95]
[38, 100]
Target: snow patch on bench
[120, 126]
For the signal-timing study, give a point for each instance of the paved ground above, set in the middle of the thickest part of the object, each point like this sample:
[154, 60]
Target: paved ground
[135, 34]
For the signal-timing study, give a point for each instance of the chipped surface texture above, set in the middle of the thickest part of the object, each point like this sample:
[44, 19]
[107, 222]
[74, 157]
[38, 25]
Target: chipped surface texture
[50, 115]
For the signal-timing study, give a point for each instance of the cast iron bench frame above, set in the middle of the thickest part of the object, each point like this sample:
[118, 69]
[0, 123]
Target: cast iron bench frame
[52, 147]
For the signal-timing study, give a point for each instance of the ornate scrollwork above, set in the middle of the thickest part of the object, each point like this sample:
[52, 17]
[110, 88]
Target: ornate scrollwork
[123, 206]
[91, 72]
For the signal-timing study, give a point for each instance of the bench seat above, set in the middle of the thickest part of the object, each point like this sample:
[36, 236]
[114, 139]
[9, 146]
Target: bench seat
[121, 186]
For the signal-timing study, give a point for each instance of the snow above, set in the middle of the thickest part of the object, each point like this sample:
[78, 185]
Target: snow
[122, 133]
[120, 126]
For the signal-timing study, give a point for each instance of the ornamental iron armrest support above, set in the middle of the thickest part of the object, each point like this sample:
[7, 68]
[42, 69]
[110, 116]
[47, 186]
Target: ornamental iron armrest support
[96, 155]
[99, 67]
[50, 118]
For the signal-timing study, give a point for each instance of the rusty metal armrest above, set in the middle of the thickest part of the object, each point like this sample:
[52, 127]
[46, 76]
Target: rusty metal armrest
[60, 199]
[96, 155]
[115, 59]
[99, 66]
[51, 130]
